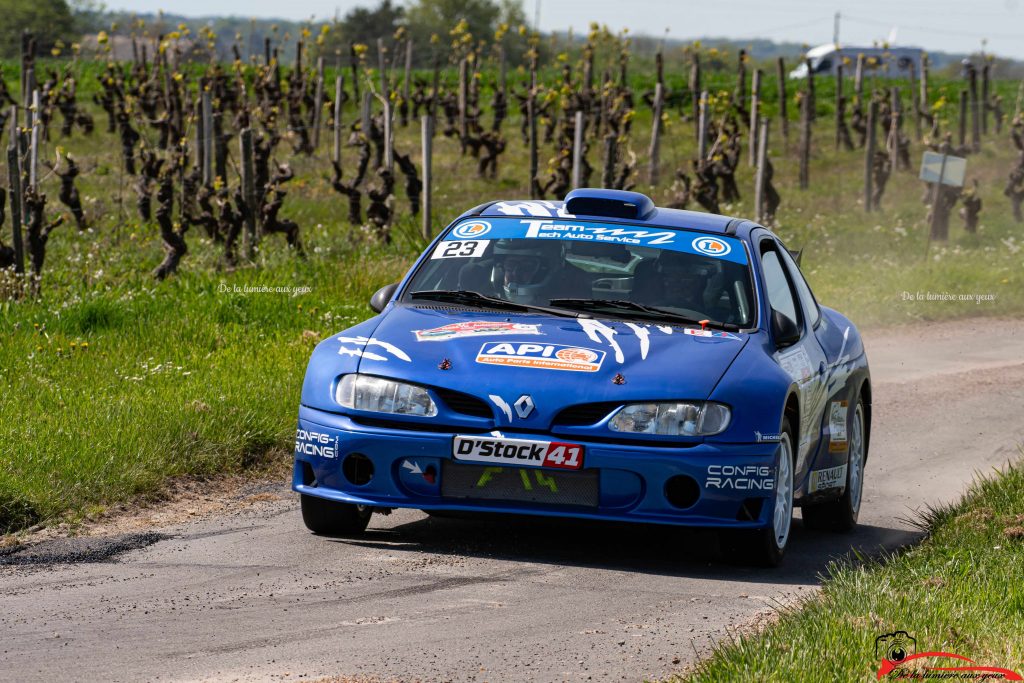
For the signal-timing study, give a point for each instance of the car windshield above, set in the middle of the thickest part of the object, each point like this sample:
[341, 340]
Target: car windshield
[613, 269]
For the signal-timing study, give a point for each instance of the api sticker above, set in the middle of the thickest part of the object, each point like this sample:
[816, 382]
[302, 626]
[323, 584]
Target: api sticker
[542, 356]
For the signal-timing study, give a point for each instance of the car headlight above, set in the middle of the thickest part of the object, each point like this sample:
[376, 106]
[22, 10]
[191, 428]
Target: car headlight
[680, 418]
[379, 395]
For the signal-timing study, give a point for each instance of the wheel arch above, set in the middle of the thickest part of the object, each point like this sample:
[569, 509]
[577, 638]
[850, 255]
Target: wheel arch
[865, 396]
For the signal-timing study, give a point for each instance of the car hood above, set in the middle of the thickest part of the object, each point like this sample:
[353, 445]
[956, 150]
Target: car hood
[557, 361]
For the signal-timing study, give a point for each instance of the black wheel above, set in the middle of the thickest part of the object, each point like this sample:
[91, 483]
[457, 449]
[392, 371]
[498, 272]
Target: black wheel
[841, 514]
[330, 518]
[766, 547]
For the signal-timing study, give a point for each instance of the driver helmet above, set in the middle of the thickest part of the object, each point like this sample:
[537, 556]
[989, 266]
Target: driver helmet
[684, 277]
[525, 268]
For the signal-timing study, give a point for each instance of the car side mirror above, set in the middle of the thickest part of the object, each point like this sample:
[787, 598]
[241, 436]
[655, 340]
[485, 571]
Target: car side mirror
[784, 329]
[382, 296]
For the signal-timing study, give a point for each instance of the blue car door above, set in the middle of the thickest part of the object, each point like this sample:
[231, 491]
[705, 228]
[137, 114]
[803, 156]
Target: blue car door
[804, 360]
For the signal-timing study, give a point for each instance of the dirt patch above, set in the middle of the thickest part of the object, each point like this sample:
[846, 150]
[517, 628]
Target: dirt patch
[180, 500]
[77, 550]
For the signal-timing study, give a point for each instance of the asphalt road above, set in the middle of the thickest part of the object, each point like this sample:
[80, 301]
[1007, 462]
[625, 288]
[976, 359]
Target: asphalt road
[250, 595]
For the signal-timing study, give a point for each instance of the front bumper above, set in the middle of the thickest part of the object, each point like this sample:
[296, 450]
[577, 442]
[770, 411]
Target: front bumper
[732, 484]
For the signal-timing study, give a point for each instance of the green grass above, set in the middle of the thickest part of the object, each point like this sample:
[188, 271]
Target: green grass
[111, 382]
[960, 591]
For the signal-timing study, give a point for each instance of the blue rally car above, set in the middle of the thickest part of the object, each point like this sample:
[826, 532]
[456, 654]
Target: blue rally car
[598, 358]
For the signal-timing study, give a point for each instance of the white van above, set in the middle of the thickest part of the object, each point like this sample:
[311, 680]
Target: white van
[892, 61]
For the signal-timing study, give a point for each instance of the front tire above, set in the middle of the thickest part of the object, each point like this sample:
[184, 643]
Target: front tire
[766, 547]
[841, 514]
[331, 518]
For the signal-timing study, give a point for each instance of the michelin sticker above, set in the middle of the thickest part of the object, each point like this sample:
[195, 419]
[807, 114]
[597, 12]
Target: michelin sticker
[542, 356]
[837, 426]
[475, 328]
[565, 228]
[832, 478]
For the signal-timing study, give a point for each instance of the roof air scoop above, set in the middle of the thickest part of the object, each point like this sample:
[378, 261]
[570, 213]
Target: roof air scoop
[593, 201]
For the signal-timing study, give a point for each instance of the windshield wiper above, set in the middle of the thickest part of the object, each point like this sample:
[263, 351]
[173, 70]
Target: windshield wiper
[634, 307]
[470, 298]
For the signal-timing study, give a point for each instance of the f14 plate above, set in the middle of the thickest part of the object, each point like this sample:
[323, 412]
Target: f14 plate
[521, 452]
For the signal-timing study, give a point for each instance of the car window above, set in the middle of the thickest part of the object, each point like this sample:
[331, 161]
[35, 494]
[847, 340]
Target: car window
[529, 261]
[780, 295]
[803, 290]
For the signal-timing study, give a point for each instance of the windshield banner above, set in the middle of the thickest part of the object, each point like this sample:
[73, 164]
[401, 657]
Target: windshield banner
[570, 230]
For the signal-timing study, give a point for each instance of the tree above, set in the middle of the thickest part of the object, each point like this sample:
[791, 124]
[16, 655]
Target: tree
[48, 20]
[426, 18]
[362, 25]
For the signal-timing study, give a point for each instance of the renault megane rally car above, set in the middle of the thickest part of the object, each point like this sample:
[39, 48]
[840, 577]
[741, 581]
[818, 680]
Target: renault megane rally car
[598, 358]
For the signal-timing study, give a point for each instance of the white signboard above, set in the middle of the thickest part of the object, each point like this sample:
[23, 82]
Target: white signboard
[952, 174]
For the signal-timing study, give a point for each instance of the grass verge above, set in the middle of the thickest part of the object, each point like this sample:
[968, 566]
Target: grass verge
[961, 590]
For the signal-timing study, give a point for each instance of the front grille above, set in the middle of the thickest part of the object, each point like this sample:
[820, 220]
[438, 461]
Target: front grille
[520, 485]
[584, 414]
[464, 403]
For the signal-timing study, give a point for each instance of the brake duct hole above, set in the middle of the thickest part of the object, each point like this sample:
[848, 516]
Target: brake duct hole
[357, 468]
[682, 491]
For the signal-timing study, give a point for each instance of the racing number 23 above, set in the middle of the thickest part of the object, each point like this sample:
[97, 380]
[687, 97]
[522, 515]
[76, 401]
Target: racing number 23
[563, 455]
[460, 249]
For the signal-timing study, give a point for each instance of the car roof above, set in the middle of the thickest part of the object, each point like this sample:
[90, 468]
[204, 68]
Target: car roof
[660, 217]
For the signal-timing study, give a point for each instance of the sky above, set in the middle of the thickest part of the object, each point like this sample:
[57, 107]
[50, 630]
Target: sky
[936, 25]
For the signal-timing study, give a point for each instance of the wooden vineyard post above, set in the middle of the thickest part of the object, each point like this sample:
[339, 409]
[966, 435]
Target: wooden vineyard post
[811, 102]
[869, 155]
[339, 90]
[382, 66]
[741, 78]
[427, 142]
[762, 157]
[893, 140]
[783, 118]
[916, 103]
[839, 100]
[318, 100]
[975, 113]
[939, 230]
[463, 96]
[702, 127]
[250, 238]
[365, 123]
[695, 91]
[985, 72]
[389, 131]
[207, 114]
[653, 154]
[923, 84]
[33, 153]
[858, 80]
[805, 141]
[963, 118]
[531, 105]
[755, 103]
[14, 179]
[577, 149]
[406, 83]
